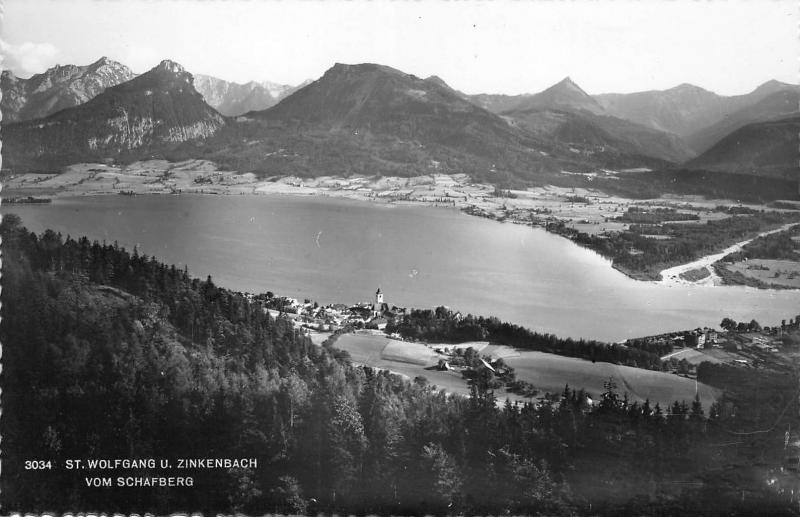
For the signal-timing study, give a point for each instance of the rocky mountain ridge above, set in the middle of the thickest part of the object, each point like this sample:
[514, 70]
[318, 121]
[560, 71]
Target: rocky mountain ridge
[232, 99]
[368, 117]
[152, 111]
[58, 88]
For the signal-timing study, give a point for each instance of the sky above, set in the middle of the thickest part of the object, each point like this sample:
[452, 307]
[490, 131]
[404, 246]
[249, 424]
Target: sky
[476, 46]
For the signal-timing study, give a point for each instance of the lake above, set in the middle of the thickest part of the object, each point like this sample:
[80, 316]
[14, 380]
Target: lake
[335, 250]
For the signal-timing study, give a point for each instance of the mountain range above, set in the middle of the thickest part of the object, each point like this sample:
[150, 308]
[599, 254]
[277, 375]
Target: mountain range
[58, 88]
[150, 112]
[781, 103]
[568, 114]
[232, 99]
[767, 149]
[370, 118]
[697, 115]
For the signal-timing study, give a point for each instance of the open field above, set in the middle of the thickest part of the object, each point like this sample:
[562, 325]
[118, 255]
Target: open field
[783, 273]
[317, 337]
[692, 356]
[586, 210]
[550, 372]
[412, 353]
[479, 346]
[501, 352]
[547, 372]
[146, 177]
[368, 349]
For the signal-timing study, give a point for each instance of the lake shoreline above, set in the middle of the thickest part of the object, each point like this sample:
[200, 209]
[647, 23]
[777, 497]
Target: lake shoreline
[534, 207]
[337, 250]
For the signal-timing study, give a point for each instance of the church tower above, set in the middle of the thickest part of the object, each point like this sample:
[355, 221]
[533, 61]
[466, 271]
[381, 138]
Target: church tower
[377, 307]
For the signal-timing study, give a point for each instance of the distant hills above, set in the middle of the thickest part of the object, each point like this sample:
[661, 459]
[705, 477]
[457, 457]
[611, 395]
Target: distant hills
[698, 116]
[680, 110]
[564, 95]
[776, 105]
[373, 119]
[767, 149]
[233, 99]
[58, 88]
[568, 114]
[153, 111]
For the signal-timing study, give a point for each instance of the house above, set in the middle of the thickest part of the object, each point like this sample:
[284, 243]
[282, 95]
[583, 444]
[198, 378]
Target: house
[379, 322]
[701, 339]
[695, 338]
[363, 313]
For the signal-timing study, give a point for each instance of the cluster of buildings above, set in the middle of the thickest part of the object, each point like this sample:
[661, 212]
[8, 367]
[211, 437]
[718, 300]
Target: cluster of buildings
[730, 346]
[329, 318]
[765, 339]
[698, 338]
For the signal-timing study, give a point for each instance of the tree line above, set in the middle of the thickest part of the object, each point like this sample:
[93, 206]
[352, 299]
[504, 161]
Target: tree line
[443, 325]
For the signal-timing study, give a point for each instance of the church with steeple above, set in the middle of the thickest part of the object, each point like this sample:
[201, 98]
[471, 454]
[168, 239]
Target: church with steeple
[379, 306]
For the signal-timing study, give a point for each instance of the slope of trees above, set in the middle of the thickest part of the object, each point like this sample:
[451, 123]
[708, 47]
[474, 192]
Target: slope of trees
[110, 354]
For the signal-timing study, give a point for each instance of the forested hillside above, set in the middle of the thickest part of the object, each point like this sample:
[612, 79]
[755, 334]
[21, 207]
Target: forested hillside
[111, 354]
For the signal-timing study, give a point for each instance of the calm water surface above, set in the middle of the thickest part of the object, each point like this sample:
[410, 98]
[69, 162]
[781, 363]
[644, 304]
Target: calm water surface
[333, 250]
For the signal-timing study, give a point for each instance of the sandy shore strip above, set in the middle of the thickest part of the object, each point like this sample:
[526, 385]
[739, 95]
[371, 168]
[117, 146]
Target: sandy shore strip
[672, 276]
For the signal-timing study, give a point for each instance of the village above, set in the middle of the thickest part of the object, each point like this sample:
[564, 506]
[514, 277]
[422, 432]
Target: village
[315, 319]
[740, 344]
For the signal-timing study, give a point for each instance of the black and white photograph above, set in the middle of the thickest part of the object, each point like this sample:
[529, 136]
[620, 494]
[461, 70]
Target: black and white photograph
[400, 258]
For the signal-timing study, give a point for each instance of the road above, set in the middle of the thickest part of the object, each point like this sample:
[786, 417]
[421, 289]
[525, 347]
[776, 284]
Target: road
[671, 276]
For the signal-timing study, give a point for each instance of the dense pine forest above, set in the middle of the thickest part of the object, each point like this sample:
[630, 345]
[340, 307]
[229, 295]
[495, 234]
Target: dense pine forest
[111, 354]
